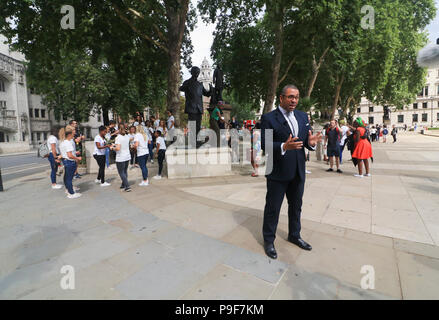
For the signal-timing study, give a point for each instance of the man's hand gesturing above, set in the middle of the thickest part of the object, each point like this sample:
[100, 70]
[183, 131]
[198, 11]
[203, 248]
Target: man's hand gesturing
[292, 144]
[314, 139]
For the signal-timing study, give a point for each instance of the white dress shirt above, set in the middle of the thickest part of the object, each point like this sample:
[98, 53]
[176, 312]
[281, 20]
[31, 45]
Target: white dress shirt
[294, 126]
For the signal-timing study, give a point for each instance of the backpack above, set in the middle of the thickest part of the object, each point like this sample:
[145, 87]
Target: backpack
[43, 150]
[385, 131]
[336, 129]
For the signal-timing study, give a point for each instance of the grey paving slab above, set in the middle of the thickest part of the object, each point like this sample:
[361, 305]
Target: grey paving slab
[89, 254]
[300, 284]
[164, 278]
[347, 292]
[27, 279]
[224, 283]
[94, 282]
[419, 276]
[196, 251]
[257, 265]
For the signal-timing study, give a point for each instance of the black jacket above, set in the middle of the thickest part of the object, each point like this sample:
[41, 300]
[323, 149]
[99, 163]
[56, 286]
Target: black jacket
[194, 92]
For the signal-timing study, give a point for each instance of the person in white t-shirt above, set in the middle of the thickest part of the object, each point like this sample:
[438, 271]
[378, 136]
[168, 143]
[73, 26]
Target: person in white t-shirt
[99, 155]
[151, 137]
[344, 134]
[122, 148]
[54, 157]
[141, 145]
[160, 151]
[69, 160]
[132, 134]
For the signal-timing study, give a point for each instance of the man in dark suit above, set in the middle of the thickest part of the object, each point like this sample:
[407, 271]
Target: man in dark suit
[291, 133]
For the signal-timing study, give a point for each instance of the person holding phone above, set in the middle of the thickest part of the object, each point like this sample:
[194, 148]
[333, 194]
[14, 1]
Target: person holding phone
[99, 155]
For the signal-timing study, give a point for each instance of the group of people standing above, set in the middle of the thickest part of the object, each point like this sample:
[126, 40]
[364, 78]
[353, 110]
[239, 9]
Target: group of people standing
[62, 150]
[130, 143]
[355, 137]
[376, 132]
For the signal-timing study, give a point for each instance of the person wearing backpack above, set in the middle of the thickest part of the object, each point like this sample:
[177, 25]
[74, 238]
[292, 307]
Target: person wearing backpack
[53, 156]
[385, 133]
[332, 141]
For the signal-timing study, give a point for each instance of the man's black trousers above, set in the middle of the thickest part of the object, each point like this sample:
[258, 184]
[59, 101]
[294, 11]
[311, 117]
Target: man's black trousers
[276, 190]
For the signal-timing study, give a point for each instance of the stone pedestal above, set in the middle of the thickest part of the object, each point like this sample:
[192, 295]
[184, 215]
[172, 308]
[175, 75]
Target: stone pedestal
[195, 163]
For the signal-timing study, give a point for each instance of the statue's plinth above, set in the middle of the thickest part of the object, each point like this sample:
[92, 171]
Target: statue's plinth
[196, 163]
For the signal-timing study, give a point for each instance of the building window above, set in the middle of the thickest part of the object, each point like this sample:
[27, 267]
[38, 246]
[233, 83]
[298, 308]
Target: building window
[420, 94]
[424, 117]
[370, 120]
[415, 106]
[359, 110]
[2, 86]
[38, 136]
[415, 117]
[2, 104]
[400, 118]
[424, 105]
[45, 136]
[31, 112]
[370, 109]
[438, 89]
[437, 119]
[43, 113]
[426, 91]
[37, 114]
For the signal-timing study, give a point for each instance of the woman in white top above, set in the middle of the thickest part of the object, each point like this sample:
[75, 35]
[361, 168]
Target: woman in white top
[54, 157]
[132, 134]
[141, 145]
[69, 161]
[122, 148]
[99, 155]
[151, 138]
[160, 151]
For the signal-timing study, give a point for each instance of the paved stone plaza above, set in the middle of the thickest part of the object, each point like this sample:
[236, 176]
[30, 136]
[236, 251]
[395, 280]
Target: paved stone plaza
[201, 238]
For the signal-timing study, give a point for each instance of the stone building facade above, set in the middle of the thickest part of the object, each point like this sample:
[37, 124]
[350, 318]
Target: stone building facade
[424, 112]
[25, 121]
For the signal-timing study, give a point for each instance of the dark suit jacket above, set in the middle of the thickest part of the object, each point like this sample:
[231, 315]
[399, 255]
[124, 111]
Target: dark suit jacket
[194, 92]
[292, 163]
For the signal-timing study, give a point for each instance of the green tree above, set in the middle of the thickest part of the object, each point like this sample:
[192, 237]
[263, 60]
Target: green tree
[127, 34]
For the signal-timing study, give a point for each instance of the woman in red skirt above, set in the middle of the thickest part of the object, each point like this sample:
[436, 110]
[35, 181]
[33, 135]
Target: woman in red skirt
[363, 148]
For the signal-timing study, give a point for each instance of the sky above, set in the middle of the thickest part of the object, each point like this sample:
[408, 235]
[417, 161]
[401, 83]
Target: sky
[433, 28]
[202, 40]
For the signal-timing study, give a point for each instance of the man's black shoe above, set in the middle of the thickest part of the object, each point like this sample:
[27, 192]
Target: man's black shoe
[300, 243]
[329, 170]
[339, 171]
[270, 250]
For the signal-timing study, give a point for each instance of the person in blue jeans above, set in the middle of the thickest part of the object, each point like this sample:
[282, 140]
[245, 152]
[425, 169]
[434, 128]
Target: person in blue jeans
[150, 133]
[141, 146]
[53, 146]
[69, 160]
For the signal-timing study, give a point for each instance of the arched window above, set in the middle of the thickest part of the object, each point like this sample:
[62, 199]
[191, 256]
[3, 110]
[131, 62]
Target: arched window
[2, 86]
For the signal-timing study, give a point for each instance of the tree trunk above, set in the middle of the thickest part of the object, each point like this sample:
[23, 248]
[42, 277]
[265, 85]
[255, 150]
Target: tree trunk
[276, 11]
[177, 15]
[315, 72]
[337, 95]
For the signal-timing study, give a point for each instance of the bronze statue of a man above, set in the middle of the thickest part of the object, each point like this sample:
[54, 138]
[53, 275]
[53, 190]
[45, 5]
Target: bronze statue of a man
[194, 92]
[218, 80]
